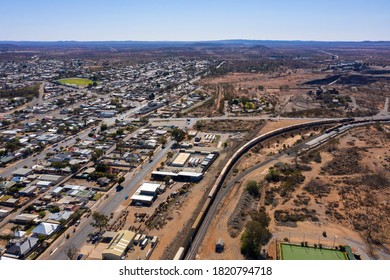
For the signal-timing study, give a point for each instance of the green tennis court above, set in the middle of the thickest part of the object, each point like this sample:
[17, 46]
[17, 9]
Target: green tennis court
[297, 252]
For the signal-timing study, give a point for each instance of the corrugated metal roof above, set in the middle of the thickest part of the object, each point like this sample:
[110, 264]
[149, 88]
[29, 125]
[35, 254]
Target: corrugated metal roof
[119, 244]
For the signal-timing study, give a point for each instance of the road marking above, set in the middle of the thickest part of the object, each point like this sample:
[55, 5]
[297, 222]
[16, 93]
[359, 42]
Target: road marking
[53, 251]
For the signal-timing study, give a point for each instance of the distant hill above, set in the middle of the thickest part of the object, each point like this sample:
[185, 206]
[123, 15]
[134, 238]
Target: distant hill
[5, 46]
[164, 44]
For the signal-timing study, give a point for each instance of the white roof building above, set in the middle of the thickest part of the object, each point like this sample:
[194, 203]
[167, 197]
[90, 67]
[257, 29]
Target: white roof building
[45, 229]
[44, 184]
[149, 187]
[143, 199]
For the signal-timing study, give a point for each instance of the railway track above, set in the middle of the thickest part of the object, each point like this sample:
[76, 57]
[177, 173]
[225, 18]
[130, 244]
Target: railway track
[216, 194]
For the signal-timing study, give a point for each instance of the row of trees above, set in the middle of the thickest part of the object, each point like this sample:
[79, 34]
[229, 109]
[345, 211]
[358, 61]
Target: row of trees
[256, 232]
[256, 235]
[27, 92]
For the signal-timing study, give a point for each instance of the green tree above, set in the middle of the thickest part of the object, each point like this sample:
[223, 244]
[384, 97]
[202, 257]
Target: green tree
[199, 125]
[7, 237]
[178, 134]
[252, 187]
[169, 155]
[29, 208]
[249, 106]
[273, 175]
[103, 127]
[12, 145]
[96, 155]
[261, 217]
[41, 237]
[100, 221]
[162, 140]
[54, 209]
[167, 179]
[59, 164]
[74, 168]
[253, 238]
[42, 214]
[121, 180]
[101, 167]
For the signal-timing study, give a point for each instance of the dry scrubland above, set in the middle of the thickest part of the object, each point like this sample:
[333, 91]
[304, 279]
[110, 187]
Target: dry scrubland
[287, 92]
[336, 195]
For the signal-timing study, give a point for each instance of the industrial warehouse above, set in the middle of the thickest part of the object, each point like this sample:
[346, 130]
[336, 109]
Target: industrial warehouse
[119, 245]
[146, 193]
[188, 166]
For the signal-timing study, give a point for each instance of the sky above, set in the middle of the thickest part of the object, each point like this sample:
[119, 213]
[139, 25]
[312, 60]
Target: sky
[196, 20]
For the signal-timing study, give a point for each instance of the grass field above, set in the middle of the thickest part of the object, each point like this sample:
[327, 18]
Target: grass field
[297, 252]
[76, 81]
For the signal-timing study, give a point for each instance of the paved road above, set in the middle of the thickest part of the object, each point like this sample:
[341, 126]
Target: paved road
[220, 64]
[335, 81]
[126, 115]
[332, 54]
[108, 206]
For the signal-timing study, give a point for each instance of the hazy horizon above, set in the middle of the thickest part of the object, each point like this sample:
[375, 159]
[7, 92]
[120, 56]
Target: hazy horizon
[194, 21]
[195, 41]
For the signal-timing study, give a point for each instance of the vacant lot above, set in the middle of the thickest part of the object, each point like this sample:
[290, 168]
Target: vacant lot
[345, 195]
[228, 125]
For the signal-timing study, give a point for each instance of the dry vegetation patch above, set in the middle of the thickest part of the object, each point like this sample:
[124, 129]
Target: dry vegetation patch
[228, 125]
[345, 162]
[317, 188]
